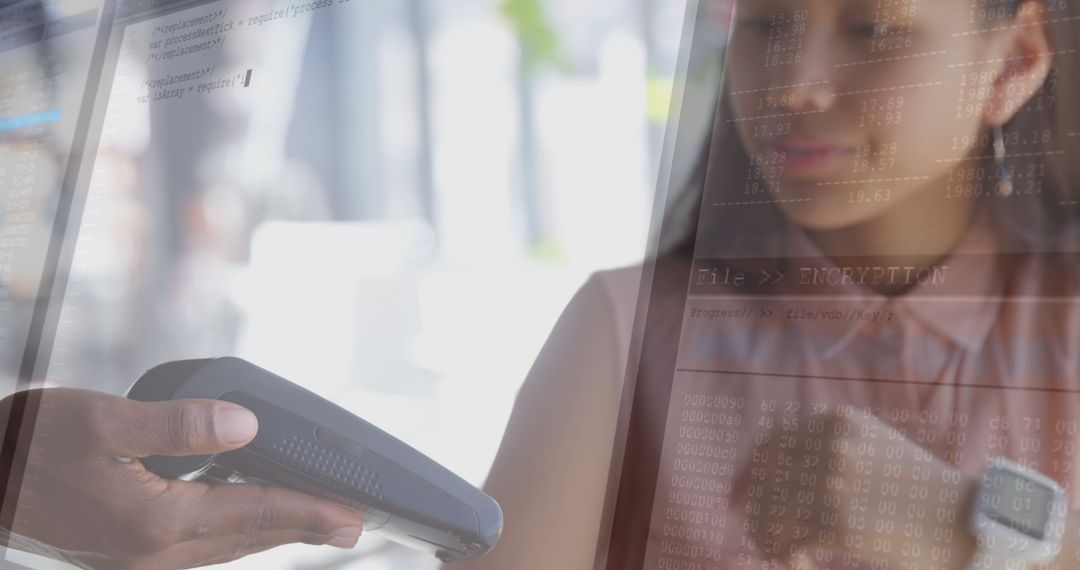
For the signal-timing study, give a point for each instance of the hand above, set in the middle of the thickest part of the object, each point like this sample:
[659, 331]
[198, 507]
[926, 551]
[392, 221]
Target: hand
[849, 486]
[85, 491]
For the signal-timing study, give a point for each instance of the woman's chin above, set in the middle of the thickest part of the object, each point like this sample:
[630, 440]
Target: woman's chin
[830, 215]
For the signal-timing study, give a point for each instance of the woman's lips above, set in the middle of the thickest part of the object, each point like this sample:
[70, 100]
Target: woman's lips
[810, 156]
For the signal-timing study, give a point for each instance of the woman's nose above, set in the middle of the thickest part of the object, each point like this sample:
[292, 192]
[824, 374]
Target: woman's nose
[808, 85]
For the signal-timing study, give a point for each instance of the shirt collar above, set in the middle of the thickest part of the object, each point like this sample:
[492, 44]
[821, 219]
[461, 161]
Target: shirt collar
[965, 307]
[962, 308]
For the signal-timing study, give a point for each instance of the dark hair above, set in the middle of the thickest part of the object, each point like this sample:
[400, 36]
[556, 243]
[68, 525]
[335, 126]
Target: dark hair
[1029, 222]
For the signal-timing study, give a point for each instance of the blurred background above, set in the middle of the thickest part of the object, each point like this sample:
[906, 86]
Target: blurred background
[396, 225]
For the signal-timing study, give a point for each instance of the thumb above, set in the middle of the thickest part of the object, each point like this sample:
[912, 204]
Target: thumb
[179, 427]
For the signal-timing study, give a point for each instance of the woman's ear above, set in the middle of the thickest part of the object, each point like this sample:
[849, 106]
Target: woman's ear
[1026, 64]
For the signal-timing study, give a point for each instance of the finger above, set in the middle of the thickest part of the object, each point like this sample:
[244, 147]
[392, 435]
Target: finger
[181, 427]
[221, 549]
[252, 509]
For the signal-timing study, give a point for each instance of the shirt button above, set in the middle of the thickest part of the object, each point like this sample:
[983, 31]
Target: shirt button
[889, 332]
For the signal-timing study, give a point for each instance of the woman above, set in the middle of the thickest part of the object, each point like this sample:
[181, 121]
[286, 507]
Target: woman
[903, 168]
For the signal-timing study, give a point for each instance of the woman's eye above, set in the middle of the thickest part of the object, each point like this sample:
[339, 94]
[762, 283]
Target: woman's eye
[757, 26]
[874, 30]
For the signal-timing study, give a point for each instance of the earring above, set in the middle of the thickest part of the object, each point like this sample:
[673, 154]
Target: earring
[1004, 172]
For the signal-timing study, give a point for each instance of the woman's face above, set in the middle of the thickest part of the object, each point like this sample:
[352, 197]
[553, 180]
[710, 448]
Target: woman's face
[848, 108]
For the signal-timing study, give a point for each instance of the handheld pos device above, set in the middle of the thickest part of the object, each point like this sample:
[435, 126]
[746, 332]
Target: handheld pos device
[1018, 517]
[309, 444]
